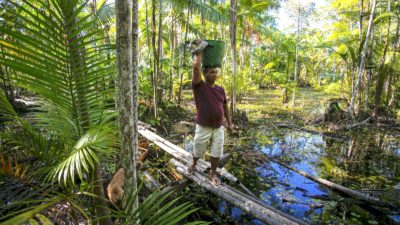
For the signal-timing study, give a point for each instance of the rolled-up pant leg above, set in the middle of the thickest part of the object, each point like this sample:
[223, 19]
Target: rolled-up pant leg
[217, 142]
[201, 137]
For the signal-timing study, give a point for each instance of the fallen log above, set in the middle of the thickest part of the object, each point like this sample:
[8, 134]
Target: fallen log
[224, 159]
[345, 190]
[153, 184]
[176, 186]
[181, 154]
[186, 157]
[357, 124]
[265, 213]
[293, 127]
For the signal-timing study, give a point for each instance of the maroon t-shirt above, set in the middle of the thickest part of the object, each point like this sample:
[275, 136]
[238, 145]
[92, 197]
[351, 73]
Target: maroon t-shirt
[209, 104]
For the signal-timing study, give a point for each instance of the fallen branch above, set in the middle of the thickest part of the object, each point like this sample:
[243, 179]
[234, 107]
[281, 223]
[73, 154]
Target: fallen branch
[176, 186]
[294, 127]
[357, 124]
[153, 183]
[345, 190]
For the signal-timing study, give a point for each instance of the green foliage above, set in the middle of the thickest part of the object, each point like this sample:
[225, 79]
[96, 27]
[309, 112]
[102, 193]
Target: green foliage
[65, 65]
[158, 208]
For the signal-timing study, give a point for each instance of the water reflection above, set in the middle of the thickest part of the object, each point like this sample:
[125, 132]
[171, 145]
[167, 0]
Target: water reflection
[367, 161]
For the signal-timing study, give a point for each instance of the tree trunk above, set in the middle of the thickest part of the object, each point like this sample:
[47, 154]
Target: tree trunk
[296, 66]
[361, 25]
[355, 91]
[182, 56]
[392, 85]
[232, 28]
[135, 90]
[100, 202]
[288, 68]
[160, 51]
[172, 58]
[381, 72]
[125, 81]
[155, 58]
[369, 76]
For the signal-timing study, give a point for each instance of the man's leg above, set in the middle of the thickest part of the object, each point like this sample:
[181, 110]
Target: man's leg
[201, 137]
[217, 149]
[213, 174]
[193, 166]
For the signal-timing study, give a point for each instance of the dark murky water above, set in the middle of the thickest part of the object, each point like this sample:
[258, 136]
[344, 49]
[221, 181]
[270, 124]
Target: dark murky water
[368, 161]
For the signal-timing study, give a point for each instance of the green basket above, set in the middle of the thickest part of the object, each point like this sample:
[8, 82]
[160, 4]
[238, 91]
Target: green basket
[213, 54]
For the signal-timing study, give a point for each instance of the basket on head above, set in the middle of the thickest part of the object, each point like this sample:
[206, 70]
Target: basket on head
[213, 54]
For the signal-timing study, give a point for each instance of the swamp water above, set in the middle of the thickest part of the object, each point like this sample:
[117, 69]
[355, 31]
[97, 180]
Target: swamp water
[366, 160]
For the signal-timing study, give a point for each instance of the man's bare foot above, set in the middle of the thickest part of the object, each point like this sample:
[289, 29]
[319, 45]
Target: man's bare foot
[215, 180]
[190, 169]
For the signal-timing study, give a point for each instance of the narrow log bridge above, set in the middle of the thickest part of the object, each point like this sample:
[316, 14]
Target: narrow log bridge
[246, 202]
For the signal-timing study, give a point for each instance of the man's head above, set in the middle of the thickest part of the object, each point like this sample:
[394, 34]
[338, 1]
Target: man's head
[210, 73]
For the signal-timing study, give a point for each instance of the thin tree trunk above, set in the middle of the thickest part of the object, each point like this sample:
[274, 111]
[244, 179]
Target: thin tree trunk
[369, 76]
[5, 76]
[135, 89]
[361, 25]
[125, 93]
[172, 57]
[296, 66]
[155, 58]
[288, 69]
[353, 97]
[182, 56]
[232, 27]
[382, 72]
[393, 83]
[160, 50]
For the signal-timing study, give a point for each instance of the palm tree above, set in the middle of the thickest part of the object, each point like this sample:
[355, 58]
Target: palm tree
[232, 29]
[59, 58]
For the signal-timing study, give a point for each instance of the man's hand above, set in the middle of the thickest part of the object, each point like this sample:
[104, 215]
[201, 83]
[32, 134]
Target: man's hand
[229, 127]
[201, 45]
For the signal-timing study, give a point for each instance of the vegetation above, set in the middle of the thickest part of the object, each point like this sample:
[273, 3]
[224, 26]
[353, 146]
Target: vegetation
[66, 92]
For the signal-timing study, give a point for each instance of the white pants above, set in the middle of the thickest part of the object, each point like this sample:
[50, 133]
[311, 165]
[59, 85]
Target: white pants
[201, 138]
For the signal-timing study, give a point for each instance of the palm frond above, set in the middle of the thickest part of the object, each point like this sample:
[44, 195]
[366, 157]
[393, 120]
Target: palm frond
[201, 8]
[97, 140]
[106, 14]
[155, 209]
[60, 60]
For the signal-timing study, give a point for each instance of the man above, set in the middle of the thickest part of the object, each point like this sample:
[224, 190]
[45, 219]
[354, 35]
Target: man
[211, 106]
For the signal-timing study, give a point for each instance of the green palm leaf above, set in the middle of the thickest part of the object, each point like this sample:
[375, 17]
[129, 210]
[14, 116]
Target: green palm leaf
[84, 154]
[155, 210]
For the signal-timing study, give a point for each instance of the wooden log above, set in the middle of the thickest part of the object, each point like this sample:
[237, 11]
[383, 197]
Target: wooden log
[153, 183]
[176, 186]
[357, 124]
[294, 127]
[345, 190]
[181, 154]
[263, 212]
[224, 159]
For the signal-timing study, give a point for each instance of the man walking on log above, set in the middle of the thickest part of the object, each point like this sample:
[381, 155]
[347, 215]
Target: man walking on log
[211, 106]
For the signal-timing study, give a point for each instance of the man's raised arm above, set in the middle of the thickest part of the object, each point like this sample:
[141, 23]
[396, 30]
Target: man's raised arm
[196, 76]
[198, 52]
